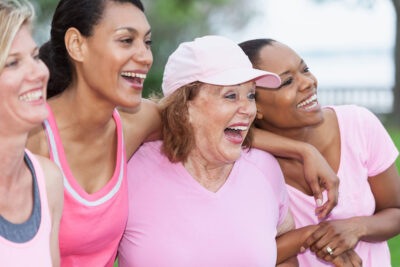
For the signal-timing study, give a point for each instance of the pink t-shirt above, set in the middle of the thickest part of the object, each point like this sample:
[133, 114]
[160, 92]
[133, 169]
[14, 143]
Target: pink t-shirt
[366, 151]
[92, 224]
[175, 221]
[35, 252]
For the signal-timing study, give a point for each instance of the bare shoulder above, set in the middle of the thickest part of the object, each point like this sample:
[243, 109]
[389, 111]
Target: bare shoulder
[54, 183]
[37, 142]
[141, 124]
[147, 110]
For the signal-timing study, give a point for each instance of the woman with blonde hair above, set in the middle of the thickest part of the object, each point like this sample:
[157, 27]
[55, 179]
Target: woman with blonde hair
[31, 196]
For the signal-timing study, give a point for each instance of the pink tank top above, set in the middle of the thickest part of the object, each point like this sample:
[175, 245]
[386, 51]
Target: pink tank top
[92, 224]
[35, 252]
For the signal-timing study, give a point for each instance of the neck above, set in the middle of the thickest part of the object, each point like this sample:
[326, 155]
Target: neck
[12, 164]
[82, 113]
[212, 176]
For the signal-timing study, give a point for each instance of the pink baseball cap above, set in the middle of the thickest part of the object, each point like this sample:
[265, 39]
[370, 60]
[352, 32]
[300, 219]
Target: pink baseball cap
[213, 60]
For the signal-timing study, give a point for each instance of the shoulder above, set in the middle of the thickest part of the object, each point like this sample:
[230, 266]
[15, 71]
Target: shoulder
[147, 153]
[54, 183]
[37, 142]
[139, 124]
[146, 110]
[267, 165]
[351, 112]
[260, 159]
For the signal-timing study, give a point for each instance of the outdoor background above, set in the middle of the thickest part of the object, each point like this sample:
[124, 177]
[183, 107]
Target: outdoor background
[349, 45]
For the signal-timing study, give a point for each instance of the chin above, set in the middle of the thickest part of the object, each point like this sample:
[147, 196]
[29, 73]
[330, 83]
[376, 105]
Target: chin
[231, 155]
[132, 103]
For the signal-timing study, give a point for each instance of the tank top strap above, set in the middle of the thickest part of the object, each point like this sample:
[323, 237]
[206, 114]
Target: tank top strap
[41, 184]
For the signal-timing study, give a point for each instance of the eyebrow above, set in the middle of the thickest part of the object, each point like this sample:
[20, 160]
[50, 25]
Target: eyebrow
[17, 53]
[132, 30]
[288, 71]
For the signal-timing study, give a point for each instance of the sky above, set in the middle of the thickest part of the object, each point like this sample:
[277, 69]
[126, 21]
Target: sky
[345, 44]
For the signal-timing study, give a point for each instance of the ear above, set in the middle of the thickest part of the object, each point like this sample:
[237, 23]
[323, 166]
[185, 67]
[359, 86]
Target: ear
[259, 116]
[75, 44]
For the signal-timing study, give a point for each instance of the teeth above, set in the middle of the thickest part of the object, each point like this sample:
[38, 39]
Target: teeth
[238, 128]
[133, 74]
[308, 101]
[31, 96]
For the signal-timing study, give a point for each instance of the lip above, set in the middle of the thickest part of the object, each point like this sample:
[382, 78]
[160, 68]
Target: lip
[245, 124]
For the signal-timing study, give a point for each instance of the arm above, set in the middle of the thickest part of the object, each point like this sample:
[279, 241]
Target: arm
[55, 197]
[342, 235]
[290, 243]
[286, 260]
[317, 171]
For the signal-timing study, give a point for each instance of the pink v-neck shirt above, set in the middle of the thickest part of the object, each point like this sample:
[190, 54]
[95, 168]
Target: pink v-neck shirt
[175, 221]
[92, 224]
[366, 150]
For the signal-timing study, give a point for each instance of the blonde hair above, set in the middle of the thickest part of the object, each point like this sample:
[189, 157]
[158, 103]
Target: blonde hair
[13, 14]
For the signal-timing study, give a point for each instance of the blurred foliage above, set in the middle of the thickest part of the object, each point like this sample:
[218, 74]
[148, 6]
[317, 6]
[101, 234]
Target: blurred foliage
[172, 22]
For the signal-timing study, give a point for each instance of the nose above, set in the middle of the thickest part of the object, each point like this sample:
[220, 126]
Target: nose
[143, 55]
[247, 107]
[306, 82]
[37, 71]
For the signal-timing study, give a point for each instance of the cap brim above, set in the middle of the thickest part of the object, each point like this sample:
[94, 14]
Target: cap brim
[242, 75]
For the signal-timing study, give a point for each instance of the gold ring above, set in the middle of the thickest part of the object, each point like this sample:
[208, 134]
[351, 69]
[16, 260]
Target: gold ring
[330, 251]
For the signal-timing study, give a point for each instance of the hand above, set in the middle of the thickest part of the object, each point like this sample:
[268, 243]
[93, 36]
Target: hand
[319, 175]
[347, 259]
[338, 235]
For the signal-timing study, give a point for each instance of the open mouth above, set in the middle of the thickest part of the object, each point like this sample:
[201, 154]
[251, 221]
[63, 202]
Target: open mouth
[134, 78]
[308, 103]
[31, 96]
[235, 133]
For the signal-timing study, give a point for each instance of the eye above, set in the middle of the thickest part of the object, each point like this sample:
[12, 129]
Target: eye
[230, 96]
[36, 57]
[126, 40]
[12, 63]
[287, 82]
[251, 96]
[148, 42]
[306, 69]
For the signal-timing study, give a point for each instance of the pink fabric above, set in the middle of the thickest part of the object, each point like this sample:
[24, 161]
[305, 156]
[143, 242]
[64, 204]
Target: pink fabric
[366, 150]
[92, 224]
[214, 60]
[174, 221]
[35, 252]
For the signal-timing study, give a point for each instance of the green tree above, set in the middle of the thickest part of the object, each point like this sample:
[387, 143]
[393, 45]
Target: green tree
[395, 115]
[172, 22]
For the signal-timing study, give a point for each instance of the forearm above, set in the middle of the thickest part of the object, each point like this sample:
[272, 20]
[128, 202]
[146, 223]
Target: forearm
[289, 244]
[291, 262]
[279, 145]
[381, 226]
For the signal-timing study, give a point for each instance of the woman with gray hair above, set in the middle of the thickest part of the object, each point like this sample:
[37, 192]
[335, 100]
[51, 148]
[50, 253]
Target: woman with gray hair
[31, 196]
[198, 198]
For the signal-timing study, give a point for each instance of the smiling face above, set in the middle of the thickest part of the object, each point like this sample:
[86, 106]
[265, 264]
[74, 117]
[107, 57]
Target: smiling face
[117, 56]
[221, 117]
[23, 83]
[294, 104]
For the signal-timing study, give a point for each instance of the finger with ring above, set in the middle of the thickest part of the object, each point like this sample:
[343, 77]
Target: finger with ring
[330, 251]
